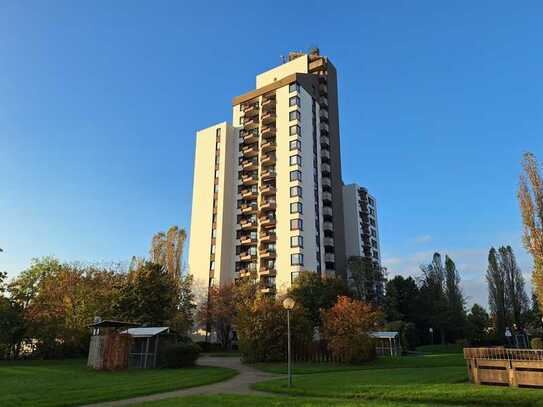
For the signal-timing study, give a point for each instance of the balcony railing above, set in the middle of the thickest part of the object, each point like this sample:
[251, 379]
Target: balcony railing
[250, 137]
[250, 150]
[328, 241]
[249, 164]
[248, 193]
[267, 205]
[327, 210]
[267, 189]
[328, 226]
[268, 131]
[267, 221]
[267, 174]
[325, 140]
[323, 101]
[268, 117]
[326, 196]
[248, 224]
[267, 236]
[249, 179]
[268, 145]
[325, 154]
[268, 159]
[324, 115]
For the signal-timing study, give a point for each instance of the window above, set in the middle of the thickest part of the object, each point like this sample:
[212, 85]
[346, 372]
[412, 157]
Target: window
[296, 175]
[294, 101]
[296, 224]
[218, 133]
[295, 191]
[295, 145]
[373, 233]
[294, 276]
[214, 233]
[293, 87]
[297, 259]
[216, 189]
[296, 207]
[213, 249]
[296, 241]
[296, 159]
[212, 265]
[294, 115]
[371, 201]
[372, 211]
[372, 222]
[294, 130]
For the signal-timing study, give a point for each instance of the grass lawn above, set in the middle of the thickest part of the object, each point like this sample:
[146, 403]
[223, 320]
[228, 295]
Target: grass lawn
[430, 379]
[70, 382]
[437, 349]
[242, 401]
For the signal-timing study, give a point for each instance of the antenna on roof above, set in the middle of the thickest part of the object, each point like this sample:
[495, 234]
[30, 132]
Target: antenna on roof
[283, 59]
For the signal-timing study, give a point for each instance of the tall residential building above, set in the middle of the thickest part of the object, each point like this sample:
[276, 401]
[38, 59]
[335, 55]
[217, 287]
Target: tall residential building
[361, 227]
[268, 194]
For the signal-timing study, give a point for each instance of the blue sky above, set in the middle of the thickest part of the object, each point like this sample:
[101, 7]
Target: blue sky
[99, 103]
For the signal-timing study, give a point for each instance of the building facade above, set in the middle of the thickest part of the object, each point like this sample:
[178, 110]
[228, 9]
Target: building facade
[268, 194]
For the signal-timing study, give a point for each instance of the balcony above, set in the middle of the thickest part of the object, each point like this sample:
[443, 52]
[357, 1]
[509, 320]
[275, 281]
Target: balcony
[326, 181]
[267, 205]
[325, 154]
[267, 190]
[250, 123]
[324, 127]
[250, 137]
[248, 209]
[246, 256]
[324, 115]
[323, 101]
[329, 257]
[268, 104]
[268, 159]
[247, 240]
[250, 150]
[265, 271]
[268, 236]
[251, 110]
[327, 196]
[268, 145]
[328, 241]
[327, 211]
[249, 179]
[268, 117]
[268, 131]
[325, 141]
[249, 164]
[267, 221]
[248, 224]
[328, 226]
[323, 88]
[248, 194]
[325, 168]
[268, 174]
[267, 254]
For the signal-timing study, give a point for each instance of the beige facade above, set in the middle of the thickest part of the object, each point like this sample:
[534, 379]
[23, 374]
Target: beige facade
[268, 196]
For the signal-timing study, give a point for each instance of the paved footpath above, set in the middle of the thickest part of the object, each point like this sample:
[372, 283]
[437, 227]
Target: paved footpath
[239, 384]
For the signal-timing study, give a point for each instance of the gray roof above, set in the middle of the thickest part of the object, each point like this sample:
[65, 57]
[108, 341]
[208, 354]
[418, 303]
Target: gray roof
[146, 332]
[385, 334]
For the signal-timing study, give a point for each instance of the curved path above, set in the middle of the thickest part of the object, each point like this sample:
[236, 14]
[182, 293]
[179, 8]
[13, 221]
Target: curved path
[239, 384]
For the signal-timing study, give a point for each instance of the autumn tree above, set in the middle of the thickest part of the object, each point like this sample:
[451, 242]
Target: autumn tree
[167, 250]
[367, 280]
[313, 293]
[218, 312]
[531, 206]
[12, 324]
[347, 327]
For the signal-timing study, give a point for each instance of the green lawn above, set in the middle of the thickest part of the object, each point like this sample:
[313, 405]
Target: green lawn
[430, 380]
[442, 360]
[242, 401]
[436, 349]
[70, 382]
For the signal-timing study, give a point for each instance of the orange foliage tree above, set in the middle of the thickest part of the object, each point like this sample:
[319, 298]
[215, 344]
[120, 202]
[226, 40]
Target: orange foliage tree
[346, 328]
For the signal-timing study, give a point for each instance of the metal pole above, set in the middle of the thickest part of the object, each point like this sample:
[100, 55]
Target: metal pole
[288, 350]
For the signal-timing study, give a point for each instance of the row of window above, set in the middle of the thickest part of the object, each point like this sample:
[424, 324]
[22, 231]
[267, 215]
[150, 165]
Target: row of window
[296, 259]
[214, 214]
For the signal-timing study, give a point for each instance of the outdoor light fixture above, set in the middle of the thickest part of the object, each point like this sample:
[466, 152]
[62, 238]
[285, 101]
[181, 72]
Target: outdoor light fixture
[288, 304]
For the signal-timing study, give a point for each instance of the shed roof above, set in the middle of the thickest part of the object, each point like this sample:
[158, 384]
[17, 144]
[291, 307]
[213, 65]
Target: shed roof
[110, 323]
[147, 331]
[385, 334]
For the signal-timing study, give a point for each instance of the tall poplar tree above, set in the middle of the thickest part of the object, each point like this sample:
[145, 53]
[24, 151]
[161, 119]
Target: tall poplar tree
[495, 278]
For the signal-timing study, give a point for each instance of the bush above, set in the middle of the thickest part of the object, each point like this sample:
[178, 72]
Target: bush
[179, 355]
[409, 336]
[346, 328]
[536, 343]
[210, 346]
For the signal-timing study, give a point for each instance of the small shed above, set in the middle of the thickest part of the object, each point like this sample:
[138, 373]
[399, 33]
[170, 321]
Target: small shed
[144, 346]
[387, 343]
[108, 348]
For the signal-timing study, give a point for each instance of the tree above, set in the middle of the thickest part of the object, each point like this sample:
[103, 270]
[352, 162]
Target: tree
[432, 296]
[149, 296]
[346, 328]
[531, 206]
[456, 314]
[12, 324]
[401, 300]
[495, 277]
[515, 292]
[367, 280]
[478, 324]
[218, 312]
[314, 293]
[167, 250]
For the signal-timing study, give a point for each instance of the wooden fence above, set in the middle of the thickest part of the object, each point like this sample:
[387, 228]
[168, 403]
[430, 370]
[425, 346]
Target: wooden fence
[505, 367]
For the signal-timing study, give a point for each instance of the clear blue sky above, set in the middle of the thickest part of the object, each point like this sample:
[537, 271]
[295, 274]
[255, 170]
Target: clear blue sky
[99, 103]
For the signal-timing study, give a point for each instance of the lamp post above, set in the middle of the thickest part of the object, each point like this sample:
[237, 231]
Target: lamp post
[288, 304]
[431, 331]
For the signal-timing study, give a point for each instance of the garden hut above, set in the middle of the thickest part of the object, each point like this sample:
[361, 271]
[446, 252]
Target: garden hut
[387, 343]
[145, 345]
[108, 349]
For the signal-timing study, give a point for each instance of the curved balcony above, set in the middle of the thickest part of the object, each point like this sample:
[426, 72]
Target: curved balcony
[267, 205]
[250, 137]
[328, 226]
[325, 154]
[323, 115]
[268, 159]
[249, 164]
[249, 179]
[268, 103]
[267, 190]
[249, 194]
[323, 101]
[326, 210]
[325, 168]
[268, 236]
[247, 240]
[324, 127]
[267, 221]
[265, 271]
[251, 110]
[328, 241]
[268, 131]
[325, 141]
[326, 181]
[268, 174]
[250, 150]
[248, 209]
[268, 117]
[248, 224]
[268, 145]
[246, 256]
[329, 257]
[267, 254]
[326, 196]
